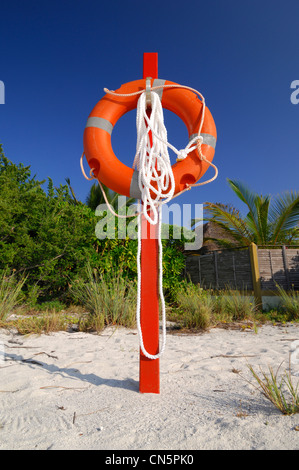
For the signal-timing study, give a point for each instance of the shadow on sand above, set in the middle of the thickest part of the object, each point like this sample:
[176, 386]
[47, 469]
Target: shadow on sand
[127, 384]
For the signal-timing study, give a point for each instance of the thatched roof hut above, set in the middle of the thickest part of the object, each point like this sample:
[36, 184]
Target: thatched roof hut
[211, 233]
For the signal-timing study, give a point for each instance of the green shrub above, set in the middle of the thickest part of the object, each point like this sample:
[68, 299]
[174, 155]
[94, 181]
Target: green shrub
[289, 303]
[53, 305]
[109, 299]
[234, 305]
[194, 306]
[32, 294]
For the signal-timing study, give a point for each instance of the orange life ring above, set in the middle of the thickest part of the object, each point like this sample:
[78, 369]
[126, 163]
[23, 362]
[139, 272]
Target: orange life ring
[123, 179]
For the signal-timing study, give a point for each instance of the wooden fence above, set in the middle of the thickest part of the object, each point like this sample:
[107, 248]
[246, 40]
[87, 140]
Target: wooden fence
[252, 269]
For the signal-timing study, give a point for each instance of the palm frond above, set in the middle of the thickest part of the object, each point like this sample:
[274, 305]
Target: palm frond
[249, 198]
[260, 227]
[284, 214]
[72, 191]
[268, 221]
[229, 219]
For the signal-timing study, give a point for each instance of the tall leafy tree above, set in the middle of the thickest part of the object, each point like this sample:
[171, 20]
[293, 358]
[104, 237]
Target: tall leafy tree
[43, 234]
[269, 221]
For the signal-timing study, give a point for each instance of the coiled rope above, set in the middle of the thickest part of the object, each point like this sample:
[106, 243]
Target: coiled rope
[157, 185]
[155, 177]
[181, 154]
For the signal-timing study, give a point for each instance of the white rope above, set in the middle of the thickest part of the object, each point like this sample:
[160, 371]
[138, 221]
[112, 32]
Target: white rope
[197, 140]
[162, 349]
[156, 181]
[155, 177]
[174, 85]
[157, 185]
[92, 177]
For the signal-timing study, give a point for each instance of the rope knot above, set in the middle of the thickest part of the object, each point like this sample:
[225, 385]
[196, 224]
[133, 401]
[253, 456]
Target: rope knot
[182, 154]
[199, 140]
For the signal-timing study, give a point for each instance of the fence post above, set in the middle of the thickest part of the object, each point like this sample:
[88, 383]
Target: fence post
[255, 272]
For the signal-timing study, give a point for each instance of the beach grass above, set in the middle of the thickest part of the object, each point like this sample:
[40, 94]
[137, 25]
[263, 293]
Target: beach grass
[109, 300]
[280, 391]
[289, 303]
[101, 300]
[10, 293]
[48, 322]
[195, 307]
[233, 305]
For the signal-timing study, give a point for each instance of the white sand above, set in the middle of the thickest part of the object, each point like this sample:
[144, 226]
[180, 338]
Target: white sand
[80, 391]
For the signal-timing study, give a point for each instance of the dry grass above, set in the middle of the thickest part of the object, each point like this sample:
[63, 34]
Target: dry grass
[36, 324]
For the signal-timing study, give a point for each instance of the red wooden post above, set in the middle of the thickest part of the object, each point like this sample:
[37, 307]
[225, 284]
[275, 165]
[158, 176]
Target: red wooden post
[149, 373]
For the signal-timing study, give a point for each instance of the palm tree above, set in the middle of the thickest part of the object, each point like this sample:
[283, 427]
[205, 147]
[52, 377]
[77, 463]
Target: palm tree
[96, 197]
[75, 200]
[268, 221]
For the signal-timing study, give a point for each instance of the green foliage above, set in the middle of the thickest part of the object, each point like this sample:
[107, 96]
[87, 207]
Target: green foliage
[235, 306]
[42, 234]
[95, 197]
[49, 236]
[10, 294]
[289, 303]
[110, 299]
[49, 244]
[51, 305]
[173, 265]
[195, 307]
[46, 323]
[281, 392]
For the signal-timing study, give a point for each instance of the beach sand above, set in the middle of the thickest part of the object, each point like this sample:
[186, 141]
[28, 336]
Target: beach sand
[72, 390]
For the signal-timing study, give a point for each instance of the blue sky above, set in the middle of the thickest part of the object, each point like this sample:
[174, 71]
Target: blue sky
[57, 56]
